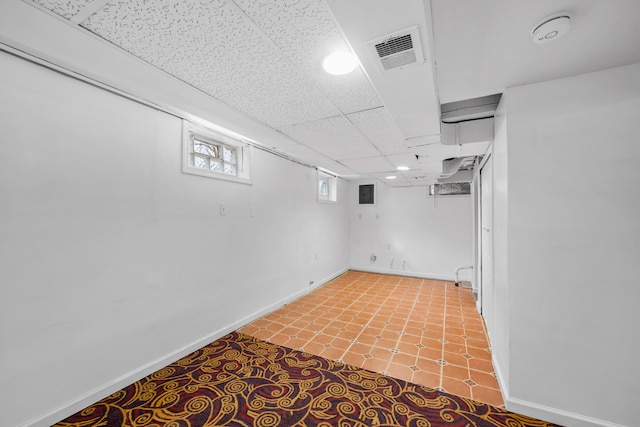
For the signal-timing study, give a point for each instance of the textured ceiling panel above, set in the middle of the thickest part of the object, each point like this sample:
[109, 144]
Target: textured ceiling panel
[404, 159]
[398, 181]
[424, 177]
[370, 165]
[338, 169]
[378, 126]
[214, 47]
[65, 8]
[306, 33]
[423, 180]
[423, 140]
[435, 152]
[264, 58]
[335, 137]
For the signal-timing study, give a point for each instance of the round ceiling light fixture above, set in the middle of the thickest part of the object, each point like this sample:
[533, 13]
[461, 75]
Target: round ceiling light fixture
[551, 28]
[340, 63]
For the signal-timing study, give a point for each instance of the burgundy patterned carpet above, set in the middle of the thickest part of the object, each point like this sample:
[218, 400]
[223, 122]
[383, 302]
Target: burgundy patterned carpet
[239, 380]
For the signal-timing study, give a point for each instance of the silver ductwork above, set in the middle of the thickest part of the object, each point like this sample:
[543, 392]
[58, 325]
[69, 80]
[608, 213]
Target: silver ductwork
[459, 169]
[480, 130]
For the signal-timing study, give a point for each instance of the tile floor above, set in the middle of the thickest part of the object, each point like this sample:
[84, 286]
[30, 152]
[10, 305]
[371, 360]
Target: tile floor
[420, 330]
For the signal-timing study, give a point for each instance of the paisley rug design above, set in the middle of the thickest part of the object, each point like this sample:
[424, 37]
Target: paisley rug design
[240, 380]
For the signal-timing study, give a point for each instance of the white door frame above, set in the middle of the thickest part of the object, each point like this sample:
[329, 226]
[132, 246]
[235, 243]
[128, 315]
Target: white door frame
[486, 290]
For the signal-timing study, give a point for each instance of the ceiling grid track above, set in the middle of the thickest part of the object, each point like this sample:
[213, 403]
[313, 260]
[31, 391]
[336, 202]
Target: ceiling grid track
[87, 11]
[296, 67]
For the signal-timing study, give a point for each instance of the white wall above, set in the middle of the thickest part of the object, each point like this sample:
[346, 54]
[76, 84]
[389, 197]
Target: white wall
[113, 262]
[500, 345]
[573, 243]
[406, 225]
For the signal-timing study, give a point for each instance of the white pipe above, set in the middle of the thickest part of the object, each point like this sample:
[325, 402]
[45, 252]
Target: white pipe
[458, 271]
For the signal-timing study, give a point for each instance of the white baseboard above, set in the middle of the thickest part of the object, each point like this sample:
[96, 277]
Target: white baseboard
[500, 376]
[531, 409]
[116, 384]
[449, 278]
[555, 415]
[542, 412]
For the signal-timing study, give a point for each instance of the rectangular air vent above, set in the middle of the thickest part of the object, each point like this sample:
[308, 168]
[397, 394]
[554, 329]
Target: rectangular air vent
[397, 50]
[450, 189]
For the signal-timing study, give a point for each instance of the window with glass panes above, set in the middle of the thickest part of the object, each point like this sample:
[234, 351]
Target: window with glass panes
[326, 187]
[212, 155]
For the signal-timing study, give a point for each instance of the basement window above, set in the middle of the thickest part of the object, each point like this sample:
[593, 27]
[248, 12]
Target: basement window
[327, 187]
[215, 155]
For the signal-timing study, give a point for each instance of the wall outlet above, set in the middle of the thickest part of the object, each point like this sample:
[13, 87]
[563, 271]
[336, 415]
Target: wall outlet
[223, 208]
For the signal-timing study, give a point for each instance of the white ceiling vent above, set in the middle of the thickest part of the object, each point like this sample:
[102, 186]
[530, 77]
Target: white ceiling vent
[397, 50]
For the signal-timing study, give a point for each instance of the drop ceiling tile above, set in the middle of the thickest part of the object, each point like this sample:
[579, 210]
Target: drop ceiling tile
[422, 178]
[423, 140]
[214, 47]
[378, 126]
[306, 33]
[334, 137]
[370, 165]
[420, 181]
[338, 169]
[433, 168]
[309, 156]
[399, 181]
[435, 152]
[65, 8]
[404, 159]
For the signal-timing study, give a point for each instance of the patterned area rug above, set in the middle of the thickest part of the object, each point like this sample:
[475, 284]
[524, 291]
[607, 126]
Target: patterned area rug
[239, 380]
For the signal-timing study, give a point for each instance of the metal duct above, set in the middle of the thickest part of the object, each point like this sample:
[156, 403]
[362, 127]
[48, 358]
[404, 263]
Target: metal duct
[470, 109]
[459, 169]
[480, 130]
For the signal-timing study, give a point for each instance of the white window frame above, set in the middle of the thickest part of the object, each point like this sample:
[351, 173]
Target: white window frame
[331, 182]
[192, 131]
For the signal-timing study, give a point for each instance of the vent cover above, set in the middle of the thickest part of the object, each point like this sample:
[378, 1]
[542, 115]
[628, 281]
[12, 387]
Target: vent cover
[450, 189]
[397, 50]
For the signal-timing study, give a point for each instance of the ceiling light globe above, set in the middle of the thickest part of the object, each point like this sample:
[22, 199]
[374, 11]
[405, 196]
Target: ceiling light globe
[340, 63]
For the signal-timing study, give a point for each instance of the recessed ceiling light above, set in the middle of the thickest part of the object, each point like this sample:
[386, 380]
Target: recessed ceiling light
[339, 63]
[391, 177]
[403, 168]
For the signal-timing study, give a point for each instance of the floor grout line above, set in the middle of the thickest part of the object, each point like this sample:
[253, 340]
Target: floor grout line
[410, 303]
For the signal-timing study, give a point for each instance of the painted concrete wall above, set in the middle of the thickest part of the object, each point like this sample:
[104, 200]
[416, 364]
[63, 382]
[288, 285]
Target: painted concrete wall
[573, 243]
[114, 262]
[410, 233]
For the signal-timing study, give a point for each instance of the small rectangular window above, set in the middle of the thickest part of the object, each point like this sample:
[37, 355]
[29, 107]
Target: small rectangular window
[215, 155]
[327, 187]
